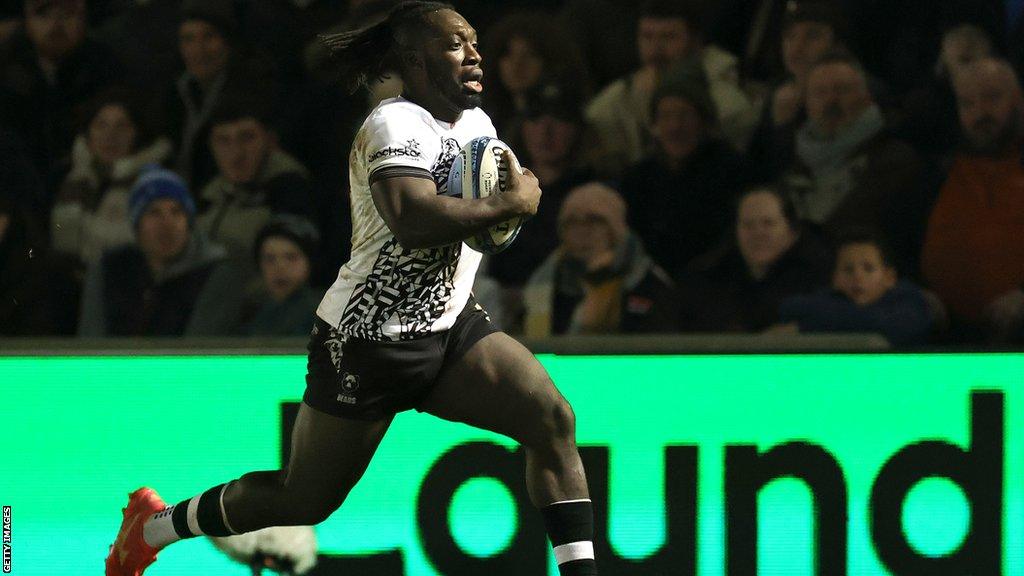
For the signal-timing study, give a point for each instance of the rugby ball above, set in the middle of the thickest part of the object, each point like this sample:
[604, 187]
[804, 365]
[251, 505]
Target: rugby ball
[478, 171]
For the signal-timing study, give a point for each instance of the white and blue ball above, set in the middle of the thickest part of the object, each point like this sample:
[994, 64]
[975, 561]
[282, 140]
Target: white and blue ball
[478, 171]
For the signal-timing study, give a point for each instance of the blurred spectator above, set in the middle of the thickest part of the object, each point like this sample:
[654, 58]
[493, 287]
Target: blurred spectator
[48, 68]
[604, 31]
[752, 30]
[521, 50]
[554, 141]
[90, 213]
[22, 184]
[599, 280]
[738, 287]
[681, 198]
[849, 172]
[39, 293]
[810, 30]
[255, 179]
[285, 251]
[866, 296]
[151, 288]
[668, 35]
[144, 35]
[215, 63]
[11, 20]
[929, 121]
[971, 255]
[898, 41]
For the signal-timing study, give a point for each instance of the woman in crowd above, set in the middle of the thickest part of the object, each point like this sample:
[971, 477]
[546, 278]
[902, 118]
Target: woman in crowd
[520, 51]
[738, 287]
[90, 213]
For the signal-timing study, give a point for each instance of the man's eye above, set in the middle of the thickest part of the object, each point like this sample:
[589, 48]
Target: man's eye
[455, 46]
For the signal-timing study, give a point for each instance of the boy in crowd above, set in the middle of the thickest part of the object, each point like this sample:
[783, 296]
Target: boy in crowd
[866, 296]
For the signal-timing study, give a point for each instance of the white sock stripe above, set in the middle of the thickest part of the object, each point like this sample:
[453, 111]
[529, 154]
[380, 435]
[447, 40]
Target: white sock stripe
[582, 550]
[192, 517]
[223, 514]
[570, 501]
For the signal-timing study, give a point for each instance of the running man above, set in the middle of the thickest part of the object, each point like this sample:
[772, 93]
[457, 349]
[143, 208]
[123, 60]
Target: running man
[399, 328]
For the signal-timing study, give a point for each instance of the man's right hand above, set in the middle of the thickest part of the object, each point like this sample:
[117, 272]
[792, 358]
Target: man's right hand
[523, 195]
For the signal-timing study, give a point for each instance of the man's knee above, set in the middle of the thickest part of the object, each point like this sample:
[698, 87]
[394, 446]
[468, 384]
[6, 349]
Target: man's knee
[556, 430]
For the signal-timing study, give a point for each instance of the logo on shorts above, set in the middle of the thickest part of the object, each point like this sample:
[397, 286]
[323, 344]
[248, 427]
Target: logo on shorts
[349, 384]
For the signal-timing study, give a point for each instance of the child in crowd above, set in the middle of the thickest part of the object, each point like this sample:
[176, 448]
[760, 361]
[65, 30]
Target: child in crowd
[285, 250]
[866, 296]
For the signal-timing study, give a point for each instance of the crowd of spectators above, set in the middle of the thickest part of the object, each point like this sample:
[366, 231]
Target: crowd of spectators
[179, 167]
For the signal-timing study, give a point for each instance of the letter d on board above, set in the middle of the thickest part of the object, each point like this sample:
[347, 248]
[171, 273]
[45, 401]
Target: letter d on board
[979, 473]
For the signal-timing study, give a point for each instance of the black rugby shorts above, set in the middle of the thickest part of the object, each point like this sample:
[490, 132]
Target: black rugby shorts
[369, 380]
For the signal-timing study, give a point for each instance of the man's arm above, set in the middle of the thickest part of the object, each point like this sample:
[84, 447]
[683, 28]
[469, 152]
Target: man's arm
[420, 218]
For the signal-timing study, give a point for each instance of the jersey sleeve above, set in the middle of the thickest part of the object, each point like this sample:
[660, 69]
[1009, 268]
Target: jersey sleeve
[399, 144]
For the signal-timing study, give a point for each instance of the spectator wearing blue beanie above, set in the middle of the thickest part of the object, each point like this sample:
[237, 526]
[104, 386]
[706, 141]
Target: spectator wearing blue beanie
[153, 184]
[157, 285]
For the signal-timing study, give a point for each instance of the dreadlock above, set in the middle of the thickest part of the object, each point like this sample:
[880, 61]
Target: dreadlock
[367, 54]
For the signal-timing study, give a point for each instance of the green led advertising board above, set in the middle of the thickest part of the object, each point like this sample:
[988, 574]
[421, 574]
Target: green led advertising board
[708, 465]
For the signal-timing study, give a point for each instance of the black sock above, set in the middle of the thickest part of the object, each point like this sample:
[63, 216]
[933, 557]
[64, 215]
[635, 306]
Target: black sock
[207, 515]
[570, 527]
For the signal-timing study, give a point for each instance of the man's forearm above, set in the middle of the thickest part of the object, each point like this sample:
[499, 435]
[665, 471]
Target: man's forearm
[441, 220]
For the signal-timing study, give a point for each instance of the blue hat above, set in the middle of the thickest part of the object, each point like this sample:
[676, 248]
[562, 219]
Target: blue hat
[153, 184]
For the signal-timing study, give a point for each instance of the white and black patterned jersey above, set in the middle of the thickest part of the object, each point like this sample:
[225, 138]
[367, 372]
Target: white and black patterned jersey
[385, 292]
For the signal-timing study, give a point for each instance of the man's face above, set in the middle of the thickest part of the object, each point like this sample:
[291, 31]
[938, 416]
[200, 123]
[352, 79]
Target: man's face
[990, 107]
[585, 235]
[662, 42]
[240, 148]
[803, 43]
[762, 231]
[203, 48]
[677, 127]
[837, 95]
[959, 52]
[549, 139]
[163, 230]
[451, 60]
[55, 28]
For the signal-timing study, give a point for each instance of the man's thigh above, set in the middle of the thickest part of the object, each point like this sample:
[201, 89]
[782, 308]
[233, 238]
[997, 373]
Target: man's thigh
[496, 385]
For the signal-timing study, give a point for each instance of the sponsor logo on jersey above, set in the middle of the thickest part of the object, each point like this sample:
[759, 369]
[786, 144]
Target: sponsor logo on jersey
[411, 149]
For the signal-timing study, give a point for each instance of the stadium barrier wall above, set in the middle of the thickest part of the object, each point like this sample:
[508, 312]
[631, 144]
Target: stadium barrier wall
[699, 462]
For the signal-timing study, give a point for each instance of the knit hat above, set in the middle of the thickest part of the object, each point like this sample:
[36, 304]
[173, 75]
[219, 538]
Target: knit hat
[599, 200]
[295, 228]
[155, 183]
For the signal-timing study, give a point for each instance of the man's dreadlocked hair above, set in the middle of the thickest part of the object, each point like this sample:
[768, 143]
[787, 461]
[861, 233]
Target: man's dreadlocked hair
[367, 54]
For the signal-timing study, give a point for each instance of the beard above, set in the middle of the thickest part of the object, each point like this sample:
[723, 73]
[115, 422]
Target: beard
[987, 138]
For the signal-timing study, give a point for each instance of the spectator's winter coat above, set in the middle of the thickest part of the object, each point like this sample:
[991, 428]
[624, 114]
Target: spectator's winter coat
[123, 298]
[902, 314]
[90, 214]
[235, 213]
[633, 296]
